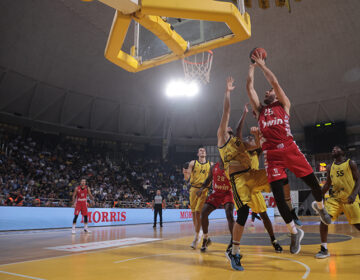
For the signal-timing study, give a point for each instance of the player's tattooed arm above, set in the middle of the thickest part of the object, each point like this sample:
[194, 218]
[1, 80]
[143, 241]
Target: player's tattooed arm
[273, 81]
[226, 113]
[206, 183]
[241, 122]
[252, 94]
[328, 182]
[355, 174]
[187, 171]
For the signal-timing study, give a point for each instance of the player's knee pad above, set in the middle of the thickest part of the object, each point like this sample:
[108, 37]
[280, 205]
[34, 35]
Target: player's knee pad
[75, 219]
[85, 219]
[242, 215]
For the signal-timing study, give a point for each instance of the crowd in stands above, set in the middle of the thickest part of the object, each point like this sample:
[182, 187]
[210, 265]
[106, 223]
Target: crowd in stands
[46, 174]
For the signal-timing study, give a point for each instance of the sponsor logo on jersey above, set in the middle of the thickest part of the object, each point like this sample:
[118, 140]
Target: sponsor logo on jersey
[275, 121]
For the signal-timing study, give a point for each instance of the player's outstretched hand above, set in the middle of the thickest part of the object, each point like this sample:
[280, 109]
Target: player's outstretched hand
[230, 84]
[259, 61]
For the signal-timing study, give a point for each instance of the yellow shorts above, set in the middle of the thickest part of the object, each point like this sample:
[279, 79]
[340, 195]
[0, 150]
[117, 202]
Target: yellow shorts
[247, 189]
[197, 203]
[352, 211]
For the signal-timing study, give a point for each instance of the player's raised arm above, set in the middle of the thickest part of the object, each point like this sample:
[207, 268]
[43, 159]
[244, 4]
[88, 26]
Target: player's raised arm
[226, 112]
[273, 81]
[355, 174]
[241, 122]
[187, 171]
[253, 96]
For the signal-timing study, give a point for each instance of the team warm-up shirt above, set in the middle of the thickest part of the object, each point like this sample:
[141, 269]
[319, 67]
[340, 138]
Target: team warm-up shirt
[221, 183]
[199, 173]
[274, 127]
[81, 195]
[342, 180]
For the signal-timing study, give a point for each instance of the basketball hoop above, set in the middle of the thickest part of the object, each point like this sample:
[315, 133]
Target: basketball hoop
[198, 66]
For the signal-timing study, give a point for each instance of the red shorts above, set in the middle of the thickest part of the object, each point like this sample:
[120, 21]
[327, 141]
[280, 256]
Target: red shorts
[276, 161]
[220, 198]
[81, 207]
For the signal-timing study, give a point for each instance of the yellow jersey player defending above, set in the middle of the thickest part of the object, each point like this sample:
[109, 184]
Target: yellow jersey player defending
[258, 204]
[197, 171]
[237, 165]
[343, 176]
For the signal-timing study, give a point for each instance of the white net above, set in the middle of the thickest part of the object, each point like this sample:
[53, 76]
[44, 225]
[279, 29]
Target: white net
[197, 67]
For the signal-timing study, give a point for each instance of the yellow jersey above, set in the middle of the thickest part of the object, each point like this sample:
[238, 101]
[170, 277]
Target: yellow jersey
[254, 160]
[234, 153]
[342, 180]
[199, 173]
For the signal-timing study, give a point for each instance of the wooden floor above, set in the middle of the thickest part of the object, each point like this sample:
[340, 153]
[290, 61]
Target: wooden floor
[139, 252]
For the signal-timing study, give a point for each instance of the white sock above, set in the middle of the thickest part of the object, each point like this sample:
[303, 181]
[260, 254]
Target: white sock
[85, 226]
[73, 227]
[324, 245]
[320, 204]
[206, 235]
[291, 227]
[235, 249]
[196, 235]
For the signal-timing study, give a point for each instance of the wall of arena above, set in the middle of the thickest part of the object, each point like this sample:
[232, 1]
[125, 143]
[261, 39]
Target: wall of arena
[25, 218]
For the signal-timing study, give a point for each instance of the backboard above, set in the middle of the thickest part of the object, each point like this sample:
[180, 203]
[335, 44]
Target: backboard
[161, 31]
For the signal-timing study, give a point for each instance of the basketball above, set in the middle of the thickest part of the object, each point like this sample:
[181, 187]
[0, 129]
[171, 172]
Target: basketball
[259, 50]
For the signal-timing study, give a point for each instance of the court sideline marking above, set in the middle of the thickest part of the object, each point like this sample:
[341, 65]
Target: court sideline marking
[306, 274]
[21, 275]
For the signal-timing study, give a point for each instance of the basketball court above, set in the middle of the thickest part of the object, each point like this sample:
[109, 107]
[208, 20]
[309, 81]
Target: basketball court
[138, 252]
[128, 52]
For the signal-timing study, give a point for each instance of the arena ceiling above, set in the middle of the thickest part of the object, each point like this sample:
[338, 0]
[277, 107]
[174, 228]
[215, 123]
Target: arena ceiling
[53, 71]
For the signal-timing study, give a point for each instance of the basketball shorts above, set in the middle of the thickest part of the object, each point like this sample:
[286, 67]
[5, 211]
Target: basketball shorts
[217, 199]
[247, 188]
[197, 203]
[81, 207]
[276, 161]
[352, 211]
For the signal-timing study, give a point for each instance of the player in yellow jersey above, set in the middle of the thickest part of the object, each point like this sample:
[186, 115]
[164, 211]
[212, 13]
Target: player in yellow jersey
[237, 163]
[344, 178]
[257, 201]
[197, 172]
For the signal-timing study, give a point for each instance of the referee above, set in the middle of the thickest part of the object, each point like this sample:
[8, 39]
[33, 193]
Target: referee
[158, 203]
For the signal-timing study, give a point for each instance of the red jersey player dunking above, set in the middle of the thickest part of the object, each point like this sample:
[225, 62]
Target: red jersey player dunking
[280, 150]
[222, 195]
[80, 194]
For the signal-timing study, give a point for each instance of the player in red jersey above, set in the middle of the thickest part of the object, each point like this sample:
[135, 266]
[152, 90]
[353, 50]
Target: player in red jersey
[80, 195]
[222, 195]
[279, 147]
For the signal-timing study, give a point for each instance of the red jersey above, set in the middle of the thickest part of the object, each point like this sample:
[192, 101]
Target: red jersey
[81, 194]
[274, 127]
[220, 181]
